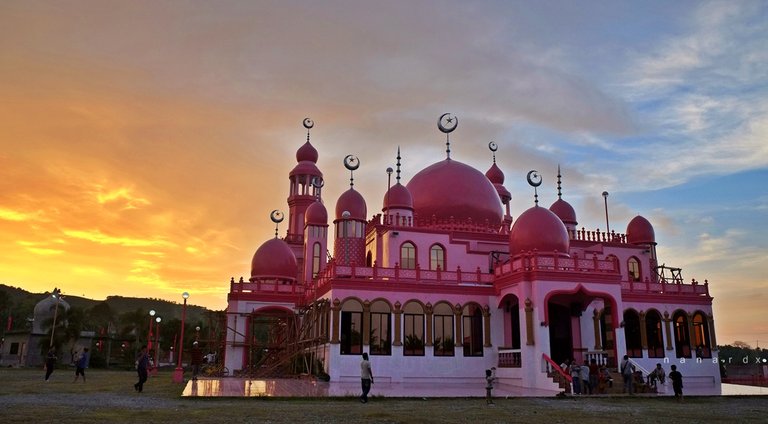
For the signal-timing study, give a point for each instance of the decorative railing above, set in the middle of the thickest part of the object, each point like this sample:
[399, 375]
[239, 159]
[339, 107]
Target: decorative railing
[273, 284]
[669, 287]
[597, 236]
[447, 224]
[535, 262]
[510, 358]
[550, 367]
[399, 275]
[600, 357]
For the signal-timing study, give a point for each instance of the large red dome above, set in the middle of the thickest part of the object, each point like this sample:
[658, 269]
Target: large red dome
[640, 231]
[564, 211]
[274, 259]
[538, 229]
[452, 189]
[398, 197]
[352, 202]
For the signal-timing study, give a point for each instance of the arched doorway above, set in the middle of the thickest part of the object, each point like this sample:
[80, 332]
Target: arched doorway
[560, 335]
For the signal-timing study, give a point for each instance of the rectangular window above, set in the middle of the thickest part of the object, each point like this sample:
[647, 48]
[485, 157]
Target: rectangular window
[14, 349]
[414, 335]
[436, 258]
[315, 259]
[444, 344]
[408, 256]
[380, 340]
[351, 338]
[473, 335]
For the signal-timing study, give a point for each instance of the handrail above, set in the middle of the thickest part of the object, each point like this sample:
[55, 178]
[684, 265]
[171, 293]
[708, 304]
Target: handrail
[556, 367]
[639, 367]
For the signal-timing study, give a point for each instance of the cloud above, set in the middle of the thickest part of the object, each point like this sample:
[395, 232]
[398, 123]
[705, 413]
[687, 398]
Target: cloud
[96, 236]
[14, 215]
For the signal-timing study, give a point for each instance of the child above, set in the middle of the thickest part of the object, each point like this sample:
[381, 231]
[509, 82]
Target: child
[677, 383]
[489, 378]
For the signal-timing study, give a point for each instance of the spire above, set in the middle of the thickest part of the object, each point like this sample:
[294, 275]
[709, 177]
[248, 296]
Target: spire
[277, 217]
[493, 148]
[398, 164]
[308, 124]
[559, 190]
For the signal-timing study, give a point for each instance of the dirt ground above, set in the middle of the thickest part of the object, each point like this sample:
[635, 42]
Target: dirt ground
[108, 396]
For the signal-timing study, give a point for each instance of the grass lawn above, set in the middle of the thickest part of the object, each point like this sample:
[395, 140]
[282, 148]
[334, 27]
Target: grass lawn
[108, 397]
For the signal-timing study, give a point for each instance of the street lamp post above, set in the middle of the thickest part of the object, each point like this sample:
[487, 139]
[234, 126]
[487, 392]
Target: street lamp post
[157, 346]
[56, 295]
[178, 373]
[607, 227]
[149, 334]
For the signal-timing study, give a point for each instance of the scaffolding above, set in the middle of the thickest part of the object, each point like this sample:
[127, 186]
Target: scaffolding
[283, 344]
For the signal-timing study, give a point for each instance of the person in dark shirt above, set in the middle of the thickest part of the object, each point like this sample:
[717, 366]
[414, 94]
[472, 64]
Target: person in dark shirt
[82, 364]
[50, 363]
[677, 383]
[142, 364]
[197, 360]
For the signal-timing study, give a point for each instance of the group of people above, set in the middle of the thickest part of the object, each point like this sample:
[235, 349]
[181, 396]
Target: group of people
[81, 360]
[633, 377]
[588, 378]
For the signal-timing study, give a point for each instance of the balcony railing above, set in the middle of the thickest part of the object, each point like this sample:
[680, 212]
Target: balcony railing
[510, 358]
[667, 287]
[535, 262]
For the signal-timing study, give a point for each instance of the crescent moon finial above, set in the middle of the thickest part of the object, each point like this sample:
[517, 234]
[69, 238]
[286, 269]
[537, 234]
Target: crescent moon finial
[534, 180]
[493, 147]
[277, 217]
[351, 162]
[308, 123]
[447, 123]
[318, 182]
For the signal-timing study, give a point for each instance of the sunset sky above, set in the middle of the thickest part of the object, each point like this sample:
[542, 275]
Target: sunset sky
[144, 143]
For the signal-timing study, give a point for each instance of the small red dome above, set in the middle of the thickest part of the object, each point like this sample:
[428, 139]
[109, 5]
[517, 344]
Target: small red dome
[316, 214]
[564, 211]
[640, 231]
[495, 175]
[538, 229]
[306, 168]
[452, 189]
[274, 259]
[352, 202]
[398, 196]
[306, 152]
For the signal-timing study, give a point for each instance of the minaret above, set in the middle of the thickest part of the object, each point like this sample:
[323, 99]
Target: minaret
[351, 214]
[496, 177]
[306, 183]
[398, 203]
[315, 239]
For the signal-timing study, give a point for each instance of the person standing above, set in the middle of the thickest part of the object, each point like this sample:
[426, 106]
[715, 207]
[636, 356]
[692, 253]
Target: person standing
[366, 376]
[50, 363]
[627, 371]
[142, 364]
[82, 364]
[677, 383]
[489, 380]
[586, 385]
[594, 374]
[196, 360]
[576, 377]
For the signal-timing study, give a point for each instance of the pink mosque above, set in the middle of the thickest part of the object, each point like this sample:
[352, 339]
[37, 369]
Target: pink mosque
[444, 283]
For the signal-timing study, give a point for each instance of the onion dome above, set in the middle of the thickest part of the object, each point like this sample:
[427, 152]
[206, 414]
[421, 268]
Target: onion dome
[538, 229]
[564, 211]
[452, 189]
[398, 197]
[353, 202]
[274, 259]
[640, 231]
[306, 152]
[44, 311]
[495, 175]
[316, 214]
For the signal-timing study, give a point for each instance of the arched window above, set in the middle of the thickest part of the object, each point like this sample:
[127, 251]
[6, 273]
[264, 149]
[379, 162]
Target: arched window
[315, 259]
[413, 329]
[443, 337]
[407, 256]
[633, 269]
[472, 330]
[436, 257]
[632, 334]
[654, 333]
[369, 259]
[682, 337]
[381, 318]
[351, 327]
[701, 336]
